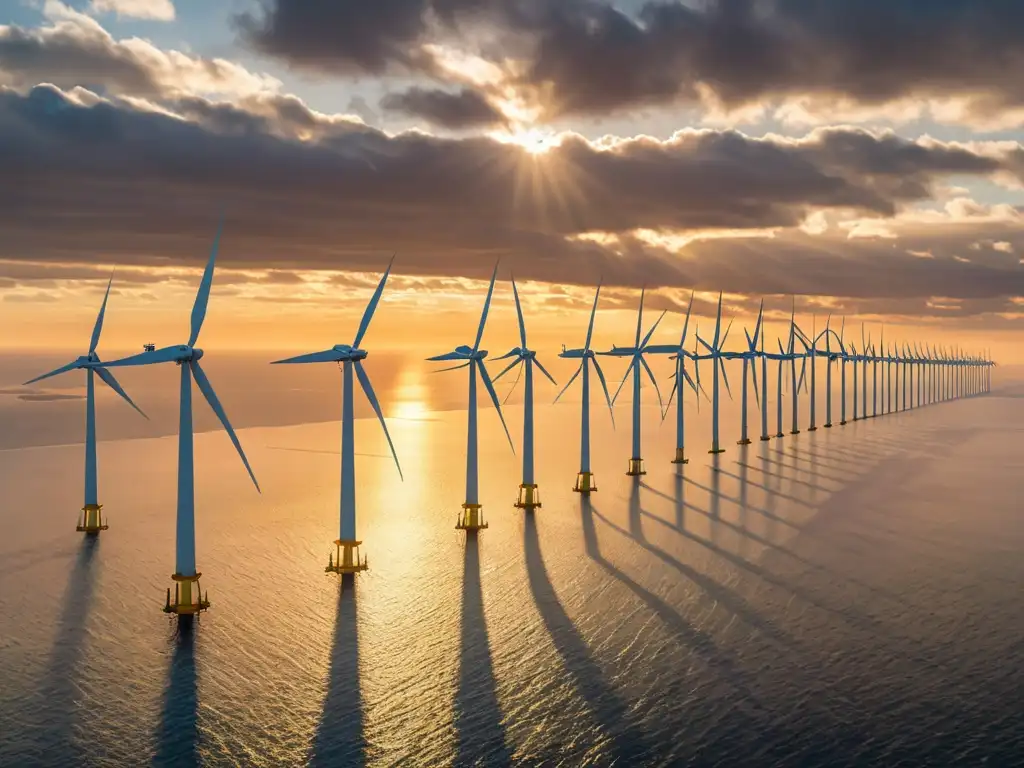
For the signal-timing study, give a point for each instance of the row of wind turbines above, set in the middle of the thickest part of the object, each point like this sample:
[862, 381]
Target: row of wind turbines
[927, 377]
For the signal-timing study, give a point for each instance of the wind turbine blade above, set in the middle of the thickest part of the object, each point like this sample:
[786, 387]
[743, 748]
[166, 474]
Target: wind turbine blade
[165, 355]
[650, 375]
[519, 313]
[629, 368]
[640, 317]
[372, 306]
[571, 380]
[757, 328]
[110, 381]
[364, 382]
[487, 306]
[803, 369]
[203, 294]
[757, 396]
[494, 399]
[593, 312]
[726, 336]
[668, 401]
[718, 320]
[707, 346]
[686, 322]
[98, 328]
[545, 371]
[508, 368]
[55, 372]
[604, 386]
[211, 397]
[651, 332]
[690, 382]
[720, 362]
[327, 356]
[448, 356]
[514, 384]
[452, 367]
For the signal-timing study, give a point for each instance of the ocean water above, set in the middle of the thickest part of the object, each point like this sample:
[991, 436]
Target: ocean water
[848, 597]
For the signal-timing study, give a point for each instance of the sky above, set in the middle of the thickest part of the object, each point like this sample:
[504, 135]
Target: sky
[859, 158]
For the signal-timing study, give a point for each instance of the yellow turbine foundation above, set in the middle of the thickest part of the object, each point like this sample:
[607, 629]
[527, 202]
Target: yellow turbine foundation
[92, 519]
[765, 438]
[812, 429]
[716, 449]
[636, 467]
[744, 441]
[585, 483]
[345, 558]
[529, 496]
[472, 518]
[680, 457]
[187, 601]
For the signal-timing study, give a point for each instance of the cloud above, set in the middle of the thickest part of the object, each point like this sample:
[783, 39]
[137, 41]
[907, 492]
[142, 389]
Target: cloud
[591, 57]
[97, 180]
[464, 109]
[75, 50]
[155, 10]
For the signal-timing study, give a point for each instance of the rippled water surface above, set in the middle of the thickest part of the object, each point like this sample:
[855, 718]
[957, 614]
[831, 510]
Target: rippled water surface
[845, 597]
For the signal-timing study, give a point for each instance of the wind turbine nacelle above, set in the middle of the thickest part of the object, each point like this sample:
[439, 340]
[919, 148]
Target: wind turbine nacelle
[350, 353]
[573, 353]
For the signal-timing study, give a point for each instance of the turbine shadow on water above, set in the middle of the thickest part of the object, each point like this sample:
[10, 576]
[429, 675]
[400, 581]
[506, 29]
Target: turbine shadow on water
[478, 717]
[178, 733]
[340, 738]
[627, 743]
[699, 641]
[59, 688]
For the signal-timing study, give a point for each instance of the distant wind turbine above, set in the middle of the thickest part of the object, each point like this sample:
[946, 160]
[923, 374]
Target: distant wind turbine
[680, 378]
[636, 354]
[91, 520]
[472, 518]
[186, 357]
[749, 357]
[529, 497]
[717, 363]
[349, 357]
[586, 356]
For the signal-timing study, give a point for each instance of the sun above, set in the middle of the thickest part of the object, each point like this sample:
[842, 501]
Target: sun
[535, 141]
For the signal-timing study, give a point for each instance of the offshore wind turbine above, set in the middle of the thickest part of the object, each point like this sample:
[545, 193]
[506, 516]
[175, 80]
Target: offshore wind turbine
[91, 521]
[843, 357]
[529, 497]
[349, 357]
[680, 378]
[795, 334]
[864, 358]
[749, 356]
[827, 334]
[186, 357]
[811, 350]
[717, 362]
[472, 518]
[636, 354]
[765, 437]
[586, 356]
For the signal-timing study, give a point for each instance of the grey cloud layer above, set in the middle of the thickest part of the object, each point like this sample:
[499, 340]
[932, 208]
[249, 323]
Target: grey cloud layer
[589, 57]
[108, 182]
[465, 109]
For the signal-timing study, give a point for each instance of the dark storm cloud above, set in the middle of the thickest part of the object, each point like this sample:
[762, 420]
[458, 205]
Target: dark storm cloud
[591, 57]
[463, 109]
[110, 183]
